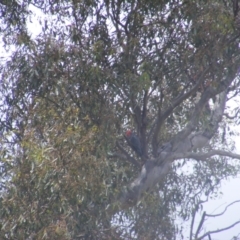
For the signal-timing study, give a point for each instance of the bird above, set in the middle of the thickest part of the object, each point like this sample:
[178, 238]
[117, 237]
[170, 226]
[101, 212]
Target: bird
[134, 142]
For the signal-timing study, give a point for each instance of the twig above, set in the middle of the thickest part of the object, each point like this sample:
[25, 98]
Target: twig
[217, 231]
[124, 156]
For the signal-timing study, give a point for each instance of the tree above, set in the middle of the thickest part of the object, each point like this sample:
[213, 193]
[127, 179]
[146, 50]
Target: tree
[164, 68]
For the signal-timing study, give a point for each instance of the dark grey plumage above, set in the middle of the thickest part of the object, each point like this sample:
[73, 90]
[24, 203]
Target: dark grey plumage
[134, 142]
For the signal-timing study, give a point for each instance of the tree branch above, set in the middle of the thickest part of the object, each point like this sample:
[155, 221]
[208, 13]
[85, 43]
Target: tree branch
[204, 156]
[161, 117]
[178, 100]
[143, 128]
[218, 111]
[231, 117]
[192, 223]
[156, 169]
[219, 214]
[200, 224]
[125, 156]
[155, 129]
[217, 231]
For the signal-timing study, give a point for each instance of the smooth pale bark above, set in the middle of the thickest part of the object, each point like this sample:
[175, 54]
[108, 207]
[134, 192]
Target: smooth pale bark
[154, 170]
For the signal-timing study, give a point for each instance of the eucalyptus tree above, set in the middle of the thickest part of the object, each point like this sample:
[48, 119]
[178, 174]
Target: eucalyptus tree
[165, 69]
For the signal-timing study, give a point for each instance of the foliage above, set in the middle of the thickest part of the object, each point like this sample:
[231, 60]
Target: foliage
[68, 94]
